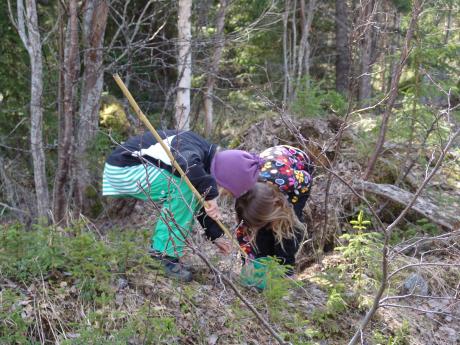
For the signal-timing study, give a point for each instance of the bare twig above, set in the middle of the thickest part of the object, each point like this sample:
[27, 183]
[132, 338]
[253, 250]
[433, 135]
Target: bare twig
[427, 311]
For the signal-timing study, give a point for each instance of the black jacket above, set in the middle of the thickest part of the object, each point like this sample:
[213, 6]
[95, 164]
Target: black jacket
[266, 245]
[194, 155]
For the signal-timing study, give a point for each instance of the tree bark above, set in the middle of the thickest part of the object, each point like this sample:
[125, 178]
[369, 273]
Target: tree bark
[184, 65]
[68, 70]
[365, 86]
[303, 63]
[94, 25]
[293, 50]
[342, 62]
[441, 216]
[286, 54]
[448, 24]
[394, 45]
[214, 67]
[32, 42]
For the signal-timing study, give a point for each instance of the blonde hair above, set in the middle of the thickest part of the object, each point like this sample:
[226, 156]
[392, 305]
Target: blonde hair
[265, 205]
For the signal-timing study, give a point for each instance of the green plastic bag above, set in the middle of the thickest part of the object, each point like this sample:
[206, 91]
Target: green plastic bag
[254, 273]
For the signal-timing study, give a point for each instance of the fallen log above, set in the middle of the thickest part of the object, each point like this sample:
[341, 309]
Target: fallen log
[436, 214]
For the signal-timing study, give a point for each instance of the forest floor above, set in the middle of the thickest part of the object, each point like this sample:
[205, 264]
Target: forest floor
[94, 282]
[322, 306]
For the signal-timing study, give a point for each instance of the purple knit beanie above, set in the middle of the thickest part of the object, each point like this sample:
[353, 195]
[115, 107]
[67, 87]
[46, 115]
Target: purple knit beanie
[236, 170]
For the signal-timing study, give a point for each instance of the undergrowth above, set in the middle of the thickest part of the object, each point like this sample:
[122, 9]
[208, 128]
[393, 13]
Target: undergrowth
[75, 286]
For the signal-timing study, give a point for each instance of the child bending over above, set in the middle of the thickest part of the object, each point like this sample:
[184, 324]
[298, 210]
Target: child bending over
[140, 168]
[270, 214]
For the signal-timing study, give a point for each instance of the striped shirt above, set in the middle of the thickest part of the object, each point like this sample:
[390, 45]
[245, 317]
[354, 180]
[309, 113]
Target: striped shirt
[128, 180]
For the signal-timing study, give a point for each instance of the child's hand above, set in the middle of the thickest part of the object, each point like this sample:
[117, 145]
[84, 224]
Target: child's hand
[224, 245]
[212, 209]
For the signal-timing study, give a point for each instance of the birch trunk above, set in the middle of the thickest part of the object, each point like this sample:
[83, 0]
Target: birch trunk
[29, 32]
[94, 25]
[209, 91]
[184, 65]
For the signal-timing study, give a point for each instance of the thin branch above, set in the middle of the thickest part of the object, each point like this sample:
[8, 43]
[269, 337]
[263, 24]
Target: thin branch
[427, 311]
[13, 208]
[422, 264]
[449, 298]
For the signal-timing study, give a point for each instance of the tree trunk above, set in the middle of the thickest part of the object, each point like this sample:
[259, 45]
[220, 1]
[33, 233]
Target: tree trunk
[66, 117]
[303, 63]
[365, 86]
[443, 216]
[32, 42]
[342, 61]
[448, 24]
[294, 50]
[184, 65]
[219, 39]
[94, 25]
[394, 45]
[286, 54]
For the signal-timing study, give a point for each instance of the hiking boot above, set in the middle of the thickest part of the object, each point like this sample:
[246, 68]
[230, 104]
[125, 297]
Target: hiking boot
[178, 271]
[173, 268]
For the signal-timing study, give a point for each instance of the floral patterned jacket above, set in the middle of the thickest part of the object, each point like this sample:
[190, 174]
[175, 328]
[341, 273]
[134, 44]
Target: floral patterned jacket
[289, 168]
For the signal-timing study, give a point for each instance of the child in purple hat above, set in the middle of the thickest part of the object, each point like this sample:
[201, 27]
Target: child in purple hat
[140, 168]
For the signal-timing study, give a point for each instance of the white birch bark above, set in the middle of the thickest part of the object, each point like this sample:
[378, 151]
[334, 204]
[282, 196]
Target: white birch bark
[184, 65]
[28, 30]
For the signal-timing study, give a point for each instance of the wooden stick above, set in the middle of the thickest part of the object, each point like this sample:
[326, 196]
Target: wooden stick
[176, 165]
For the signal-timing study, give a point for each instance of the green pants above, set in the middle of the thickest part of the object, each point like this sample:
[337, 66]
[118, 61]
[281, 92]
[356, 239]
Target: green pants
[178, 200]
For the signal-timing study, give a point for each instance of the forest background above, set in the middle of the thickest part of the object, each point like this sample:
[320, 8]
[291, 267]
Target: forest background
[369, 88]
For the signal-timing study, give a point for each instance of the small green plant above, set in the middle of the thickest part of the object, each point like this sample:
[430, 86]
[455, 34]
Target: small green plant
[401, 336]
[422, 227]
[324, 319]
[13, 327]
[362, 250]
[271, 277]
[46, 251]
[313, 101]
[360, 223]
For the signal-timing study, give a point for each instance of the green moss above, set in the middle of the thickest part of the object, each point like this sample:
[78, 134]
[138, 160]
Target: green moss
[112, 115]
